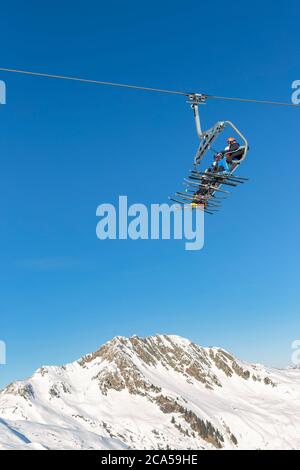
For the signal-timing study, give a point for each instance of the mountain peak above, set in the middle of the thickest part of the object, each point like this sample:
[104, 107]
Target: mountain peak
[178, 393]
[172, 353]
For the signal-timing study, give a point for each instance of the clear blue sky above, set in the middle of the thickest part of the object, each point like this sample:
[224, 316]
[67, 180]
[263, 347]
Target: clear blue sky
[67, 147]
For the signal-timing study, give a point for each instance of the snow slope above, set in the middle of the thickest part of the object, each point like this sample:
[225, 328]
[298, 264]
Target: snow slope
[153, 393]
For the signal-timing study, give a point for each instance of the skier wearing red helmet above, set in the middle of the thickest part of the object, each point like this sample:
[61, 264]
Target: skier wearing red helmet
[231, 149]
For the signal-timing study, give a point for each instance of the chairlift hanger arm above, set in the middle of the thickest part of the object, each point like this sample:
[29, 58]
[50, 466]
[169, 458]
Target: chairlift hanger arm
[195, 100]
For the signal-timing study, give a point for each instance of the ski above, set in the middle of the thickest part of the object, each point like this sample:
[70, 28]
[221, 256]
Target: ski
[214, 188]
[197, 198]
[191, 206]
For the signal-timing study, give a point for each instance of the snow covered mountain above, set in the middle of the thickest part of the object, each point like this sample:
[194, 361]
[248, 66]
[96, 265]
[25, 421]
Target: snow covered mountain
[156, 392]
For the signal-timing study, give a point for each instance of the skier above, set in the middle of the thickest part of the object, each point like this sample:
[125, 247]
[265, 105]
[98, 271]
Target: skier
[220, 164]
[233, 152]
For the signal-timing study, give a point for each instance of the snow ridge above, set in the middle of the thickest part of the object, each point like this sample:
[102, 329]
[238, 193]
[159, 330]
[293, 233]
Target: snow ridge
[156, 392]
